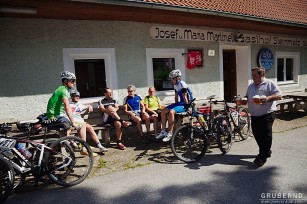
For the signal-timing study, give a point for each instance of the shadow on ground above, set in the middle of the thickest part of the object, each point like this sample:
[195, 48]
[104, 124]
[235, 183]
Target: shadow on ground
[288, 116]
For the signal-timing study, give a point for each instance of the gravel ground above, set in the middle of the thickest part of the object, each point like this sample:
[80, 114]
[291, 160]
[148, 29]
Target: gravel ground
[138, 154]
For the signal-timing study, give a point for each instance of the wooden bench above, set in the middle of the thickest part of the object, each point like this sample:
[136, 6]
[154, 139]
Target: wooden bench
[103, 130]
[289, 102]
[95, 120]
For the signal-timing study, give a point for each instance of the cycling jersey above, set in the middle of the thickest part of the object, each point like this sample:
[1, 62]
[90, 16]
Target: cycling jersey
[107, 102]
[153, 102]
[179, 87]
[55, 106]
[77, 109]
[133, 103]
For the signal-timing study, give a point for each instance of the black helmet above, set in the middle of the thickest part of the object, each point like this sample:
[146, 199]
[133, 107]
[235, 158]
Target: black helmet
[74, 93]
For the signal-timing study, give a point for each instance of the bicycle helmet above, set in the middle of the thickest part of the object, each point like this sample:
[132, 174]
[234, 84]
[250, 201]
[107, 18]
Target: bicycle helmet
[174, 73]
[74, 93]
[68, 75]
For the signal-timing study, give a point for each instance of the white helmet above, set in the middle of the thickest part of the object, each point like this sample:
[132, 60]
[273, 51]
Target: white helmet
[68, 75]
[174, 73]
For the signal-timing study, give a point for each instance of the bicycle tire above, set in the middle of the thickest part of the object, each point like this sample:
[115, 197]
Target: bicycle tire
[224, 134]
[6, 179]
[189, 149]
[244, 123]
[77, 169]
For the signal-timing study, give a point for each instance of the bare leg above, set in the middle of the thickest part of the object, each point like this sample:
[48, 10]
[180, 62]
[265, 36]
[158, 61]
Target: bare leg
[115, 115]
[171, 119]
[119, 132]
[163, 117]
[154, 118]
[147, 122]
[92, 132]
[138, 122]
[82, 132]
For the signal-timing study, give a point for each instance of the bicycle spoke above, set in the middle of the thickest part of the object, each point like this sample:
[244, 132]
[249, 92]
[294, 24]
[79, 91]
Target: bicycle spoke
[244, 123]
[188, 144]
[69, 167]
[224, 136]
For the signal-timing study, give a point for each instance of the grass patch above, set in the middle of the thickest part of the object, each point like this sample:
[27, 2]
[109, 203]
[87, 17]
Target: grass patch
[132, 165]
[102, 163]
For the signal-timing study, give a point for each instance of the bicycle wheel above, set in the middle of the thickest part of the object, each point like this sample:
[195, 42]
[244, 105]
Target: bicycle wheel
[224, 134]
[66, 166]
[6, 179]
[189, 144]
[244, 123]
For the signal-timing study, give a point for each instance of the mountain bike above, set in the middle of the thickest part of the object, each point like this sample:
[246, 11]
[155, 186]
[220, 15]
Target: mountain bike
[6, 179]
[190, 142]
[59, 160]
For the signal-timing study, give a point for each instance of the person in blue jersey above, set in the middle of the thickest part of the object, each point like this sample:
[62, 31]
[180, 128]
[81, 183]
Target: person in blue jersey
[135, 109]
[183, 95]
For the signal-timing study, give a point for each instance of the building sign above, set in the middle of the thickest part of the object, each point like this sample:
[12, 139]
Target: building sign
[265, 58]
[178, 33]
[195, 59]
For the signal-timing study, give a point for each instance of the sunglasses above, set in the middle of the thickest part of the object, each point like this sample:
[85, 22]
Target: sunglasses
[76, 96]
[130, 91]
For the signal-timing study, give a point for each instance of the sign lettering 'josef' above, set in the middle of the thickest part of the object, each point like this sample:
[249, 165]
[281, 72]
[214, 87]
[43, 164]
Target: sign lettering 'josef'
[176, 33]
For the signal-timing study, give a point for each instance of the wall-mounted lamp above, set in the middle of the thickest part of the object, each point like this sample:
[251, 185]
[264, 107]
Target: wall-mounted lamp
[20, 10]
[239, 37]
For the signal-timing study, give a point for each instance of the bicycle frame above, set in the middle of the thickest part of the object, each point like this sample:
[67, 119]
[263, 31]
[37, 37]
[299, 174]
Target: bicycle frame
[26, 166]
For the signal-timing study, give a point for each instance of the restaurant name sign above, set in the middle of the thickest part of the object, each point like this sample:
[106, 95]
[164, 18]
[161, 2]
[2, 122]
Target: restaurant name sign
[178, 33]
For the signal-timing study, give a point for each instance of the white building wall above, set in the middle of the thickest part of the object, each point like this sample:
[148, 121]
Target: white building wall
[31, 60]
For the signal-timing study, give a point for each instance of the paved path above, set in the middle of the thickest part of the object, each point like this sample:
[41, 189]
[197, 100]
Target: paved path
[215, 179]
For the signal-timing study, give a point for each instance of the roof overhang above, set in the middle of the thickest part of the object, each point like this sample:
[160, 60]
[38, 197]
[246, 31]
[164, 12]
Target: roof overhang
[140, 11]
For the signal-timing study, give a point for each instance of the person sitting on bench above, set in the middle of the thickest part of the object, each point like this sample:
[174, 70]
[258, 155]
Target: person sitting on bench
[77, 109]
[109, 107]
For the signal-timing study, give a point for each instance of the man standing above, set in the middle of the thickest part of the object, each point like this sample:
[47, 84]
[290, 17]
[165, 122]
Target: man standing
[262, 109]
[183, 92]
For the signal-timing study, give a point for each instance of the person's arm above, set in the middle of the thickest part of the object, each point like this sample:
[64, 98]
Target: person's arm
[129, 113]
[69, 112]
[275, 93]
[143, 108]
[185, 98]
[102, 109]
[146, 105]
[273, 97]
[89, 108]
[176, 97]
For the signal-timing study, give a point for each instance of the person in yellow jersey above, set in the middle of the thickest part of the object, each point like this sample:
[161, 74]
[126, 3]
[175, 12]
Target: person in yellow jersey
[153, 107]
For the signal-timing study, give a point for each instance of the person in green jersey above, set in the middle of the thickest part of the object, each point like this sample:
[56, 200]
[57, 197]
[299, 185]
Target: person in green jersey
[59, 109]
[58, 104]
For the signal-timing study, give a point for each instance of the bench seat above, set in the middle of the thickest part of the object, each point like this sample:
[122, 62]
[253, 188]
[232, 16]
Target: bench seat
[289, 102]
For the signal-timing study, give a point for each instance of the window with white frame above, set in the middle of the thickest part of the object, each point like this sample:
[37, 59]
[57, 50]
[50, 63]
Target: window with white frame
[95, 69]
[287, 67]
[159, 63]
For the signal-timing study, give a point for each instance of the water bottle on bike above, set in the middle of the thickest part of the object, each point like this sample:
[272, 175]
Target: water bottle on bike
[24, 151]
